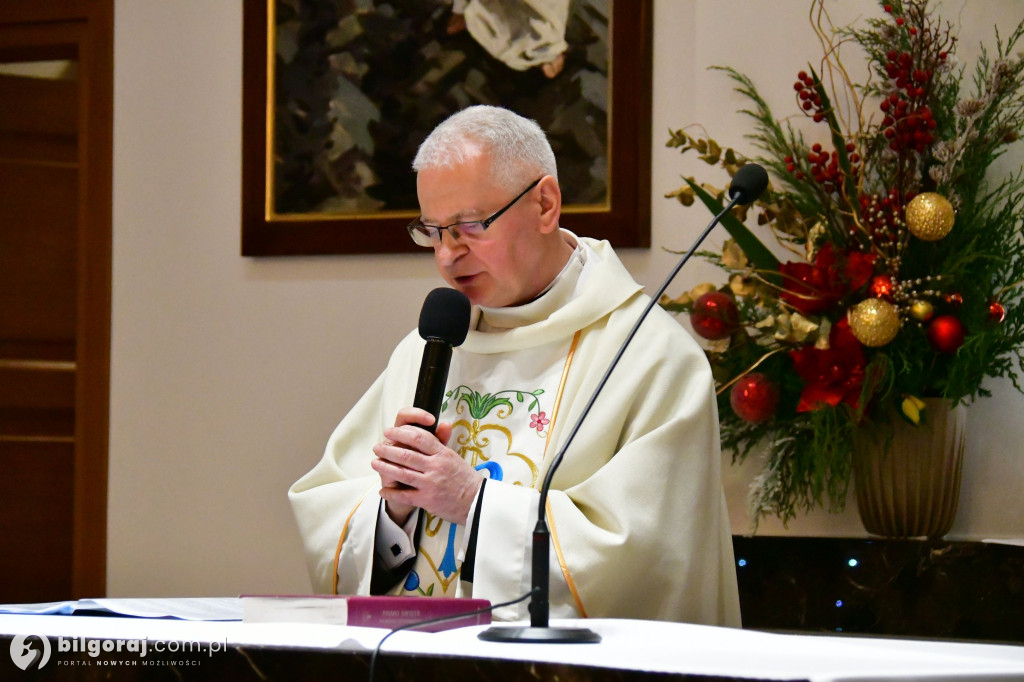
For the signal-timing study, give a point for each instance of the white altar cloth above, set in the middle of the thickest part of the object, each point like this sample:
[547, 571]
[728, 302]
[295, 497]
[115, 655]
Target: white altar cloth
[627, 644]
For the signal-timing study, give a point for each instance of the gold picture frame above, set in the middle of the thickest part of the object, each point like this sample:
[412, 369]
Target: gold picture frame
[287, 171]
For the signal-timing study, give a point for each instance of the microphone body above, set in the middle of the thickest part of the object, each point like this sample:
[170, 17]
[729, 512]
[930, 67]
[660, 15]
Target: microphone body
[444, 324]
[540, 605]
[747, 185]
[437, 358]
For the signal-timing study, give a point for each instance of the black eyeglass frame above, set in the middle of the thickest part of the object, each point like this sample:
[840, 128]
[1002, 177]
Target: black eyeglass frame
[414, 226]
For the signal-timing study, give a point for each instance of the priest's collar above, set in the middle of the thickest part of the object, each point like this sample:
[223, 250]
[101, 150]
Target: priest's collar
[561, 290]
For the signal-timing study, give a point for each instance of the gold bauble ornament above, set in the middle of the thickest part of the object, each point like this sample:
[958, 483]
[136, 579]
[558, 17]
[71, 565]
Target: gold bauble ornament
[930, 216]
[875, 322]
[921, 310]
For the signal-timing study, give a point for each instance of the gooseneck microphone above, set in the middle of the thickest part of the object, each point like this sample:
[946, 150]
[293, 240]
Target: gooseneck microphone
[747, 185]
[444, 323]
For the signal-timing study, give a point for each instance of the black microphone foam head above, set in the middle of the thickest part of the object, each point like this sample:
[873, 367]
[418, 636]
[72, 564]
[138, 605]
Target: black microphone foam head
[748, 184]
[445, 316]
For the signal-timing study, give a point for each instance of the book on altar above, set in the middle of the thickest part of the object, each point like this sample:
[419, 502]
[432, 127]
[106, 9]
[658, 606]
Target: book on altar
[365, 611]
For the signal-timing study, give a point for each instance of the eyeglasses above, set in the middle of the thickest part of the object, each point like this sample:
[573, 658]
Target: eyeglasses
[430, 235]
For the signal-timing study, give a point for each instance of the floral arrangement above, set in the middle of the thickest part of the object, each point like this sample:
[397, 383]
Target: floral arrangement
[904, 257]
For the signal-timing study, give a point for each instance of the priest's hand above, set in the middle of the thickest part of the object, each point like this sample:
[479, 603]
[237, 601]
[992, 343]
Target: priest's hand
[417, 469]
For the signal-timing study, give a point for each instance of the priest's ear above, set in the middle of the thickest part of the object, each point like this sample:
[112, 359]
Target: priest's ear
[550, 204]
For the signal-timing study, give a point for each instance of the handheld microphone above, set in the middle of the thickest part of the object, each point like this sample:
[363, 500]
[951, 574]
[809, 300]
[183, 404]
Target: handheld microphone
[444, 323]
[747, 185]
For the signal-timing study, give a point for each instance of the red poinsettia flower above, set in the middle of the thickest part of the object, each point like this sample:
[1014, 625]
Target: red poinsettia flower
[833, 375]
[815, 288]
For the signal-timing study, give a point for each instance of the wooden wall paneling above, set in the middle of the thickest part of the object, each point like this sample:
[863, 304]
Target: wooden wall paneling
[59, 341]
[92, 400]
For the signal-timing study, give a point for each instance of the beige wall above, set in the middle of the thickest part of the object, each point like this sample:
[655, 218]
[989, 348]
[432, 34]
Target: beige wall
[229, 373]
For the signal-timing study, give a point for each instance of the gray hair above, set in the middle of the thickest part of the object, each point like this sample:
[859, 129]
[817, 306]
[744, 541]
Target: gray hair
[519, 149]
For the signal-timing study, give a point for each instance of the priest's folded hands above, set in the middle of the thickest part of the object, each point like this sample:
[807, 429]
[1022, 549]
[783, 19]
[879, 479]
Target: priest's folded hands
[417, 470]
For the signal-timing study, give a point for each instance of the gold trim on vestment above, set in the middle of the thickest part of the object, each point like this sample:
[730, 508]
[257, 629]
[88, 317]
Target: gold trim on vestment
[561, 561]
[444, 582]
[341, 541]
[570, 583]
[558, 395]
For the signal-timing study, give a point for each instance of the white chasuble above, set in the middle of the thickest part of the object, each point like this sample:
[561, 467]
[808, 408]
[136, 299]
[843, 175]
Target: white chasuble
[502, 416]
[639, 524]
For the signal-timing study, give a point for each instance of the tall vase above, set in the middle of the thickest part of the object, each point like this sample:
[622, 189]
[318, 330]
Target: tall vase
[907, 477]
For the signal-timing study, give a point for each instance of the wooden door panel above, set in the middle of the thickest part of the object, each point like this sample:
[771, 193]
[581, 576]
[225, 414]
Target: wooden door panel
[37, 385]
[38, 216]
[56, 142]
[39, 209]
[35, 559]
[43, 109]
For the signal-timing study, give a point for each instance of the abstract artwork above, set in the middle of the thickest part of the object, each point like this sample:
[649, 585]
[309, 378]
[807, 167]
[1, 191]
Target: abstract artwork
[340, 93]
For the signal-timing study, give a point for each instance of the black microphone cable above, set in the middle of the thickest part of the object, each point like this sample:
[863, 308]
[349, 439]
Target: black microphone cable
[432, 621]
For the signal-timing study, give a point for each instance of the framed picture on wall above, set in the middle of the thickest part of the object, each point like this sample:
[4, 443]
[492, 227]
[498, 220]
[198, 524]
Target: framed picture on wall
[338, 95]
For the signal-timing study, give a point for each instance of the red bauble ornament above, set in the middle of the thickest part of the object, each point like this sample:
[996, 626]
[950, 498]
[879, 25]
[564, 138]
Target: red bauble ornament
[715, 315]
[996, 312]
[881, 286]
[946, 333]
[754, 398]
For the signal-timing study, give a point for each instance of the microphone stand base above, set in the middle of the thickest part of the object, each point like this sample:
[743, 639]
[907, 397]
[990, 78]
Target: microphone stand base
[547, 635]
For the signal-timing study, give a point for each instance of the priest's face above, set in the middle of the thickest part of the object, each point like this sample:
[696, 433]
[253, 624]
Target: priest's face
[502, 266]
